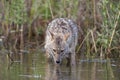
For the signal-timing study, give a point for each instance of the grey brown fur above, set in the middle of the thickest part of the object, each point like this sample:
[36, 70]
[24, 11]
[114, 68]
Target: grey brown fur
[61, 40]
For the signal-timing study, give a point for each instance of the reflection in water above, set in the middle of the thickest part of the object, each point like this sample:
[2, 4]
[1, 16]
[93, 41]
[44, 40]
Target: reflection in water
[34, 67]
[60, 72]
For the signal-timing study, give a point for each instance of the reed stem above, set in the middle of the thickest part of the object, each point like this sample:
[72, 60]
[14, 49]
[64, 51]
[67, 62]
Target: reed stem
[113, 32]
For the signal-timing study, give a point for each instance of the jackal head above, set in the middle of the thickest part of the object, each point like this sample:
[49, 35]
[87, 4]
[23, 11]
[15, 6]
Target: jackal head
[59, 47]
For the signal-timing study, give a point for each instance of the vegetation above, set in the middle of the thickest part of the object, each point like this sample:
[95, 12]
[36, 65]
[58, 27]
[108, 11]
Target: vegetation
[23, 23]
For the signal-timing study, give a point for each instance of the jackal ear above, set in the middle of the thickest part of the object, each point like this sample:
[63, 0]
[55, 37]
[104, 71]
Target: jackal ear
[66, 36]
[52, 35]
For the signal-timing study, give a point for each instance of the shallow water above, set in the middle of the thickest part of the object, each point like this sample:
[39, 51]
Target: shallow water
[32, 66]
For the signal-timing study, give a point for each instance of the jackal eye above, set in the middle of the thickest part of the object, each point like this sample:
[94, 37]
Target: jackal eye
[54, 50]
[62, 50]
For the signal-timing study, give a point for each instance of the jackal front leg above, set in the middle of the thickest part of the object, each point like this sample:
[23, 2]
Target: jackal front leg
[73, 61]
[48, 57]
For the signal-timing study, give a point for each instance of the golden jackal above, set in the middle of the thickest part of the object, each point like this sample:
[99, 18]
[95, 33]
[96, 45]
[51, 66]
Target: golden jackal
[61, 40]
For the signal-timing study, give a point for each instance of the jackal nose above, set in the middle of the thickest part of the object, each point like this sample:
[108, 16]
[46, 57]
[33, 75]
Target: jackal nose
[57, 62]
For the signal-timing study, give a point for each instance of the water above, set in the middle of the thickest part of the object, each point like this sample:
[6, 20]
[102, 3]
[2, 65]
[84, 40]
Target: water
[33, 66]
